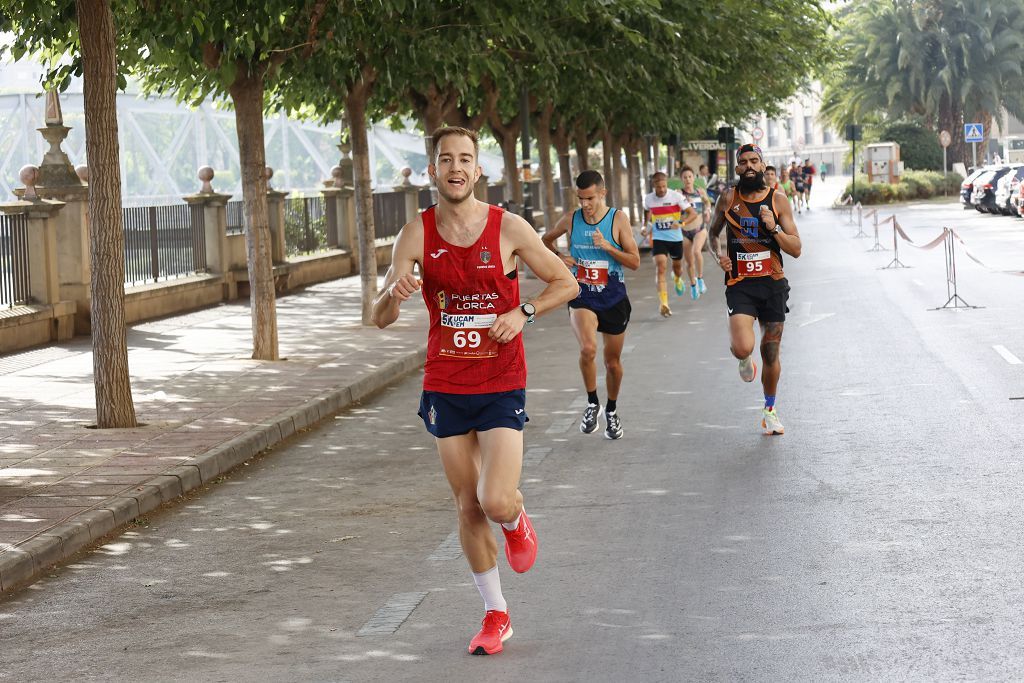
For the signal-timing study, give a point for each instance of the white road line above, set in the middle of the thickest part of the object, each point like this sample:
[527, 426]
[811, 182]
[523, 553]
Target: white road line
[918, 283]
[450, 548]
[561, 427]
[535, 456]
[1007, 356]
[817, 319]
[392, 615]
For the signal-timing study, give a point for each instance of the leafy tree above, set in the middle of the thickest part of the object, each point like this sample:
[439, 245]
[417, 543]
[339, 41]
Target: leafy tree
[919, 145]
[54, 27]
[947, 61]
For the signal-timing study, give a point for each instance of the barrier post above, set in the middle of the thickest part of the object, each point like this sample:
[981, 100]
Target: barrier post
[954, 300]
[860, 221]
[895, 263]
[878, 245]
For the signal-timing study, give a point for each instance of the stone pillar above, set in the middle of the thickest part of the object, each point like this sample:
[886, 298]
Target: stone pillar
[412, 196]
[215, 223]
[275, 216]
[44, 284]
[480, 189]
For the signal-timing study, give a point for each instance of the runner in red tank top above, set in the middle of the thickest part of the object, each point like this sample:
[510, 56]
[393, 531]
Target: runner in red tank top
[474, 384]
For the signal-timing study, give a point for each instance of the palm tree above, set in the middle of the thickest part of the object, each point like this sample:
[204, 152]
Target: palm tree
[948, 61]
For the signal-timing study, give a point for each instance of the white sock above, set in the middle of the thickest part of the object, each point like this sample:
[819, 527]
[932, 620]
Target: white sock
[514, 524]
[489, 585]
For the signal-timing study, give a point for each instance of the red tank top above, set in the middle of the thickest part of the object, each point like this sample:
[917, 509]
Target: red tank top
[465, 289]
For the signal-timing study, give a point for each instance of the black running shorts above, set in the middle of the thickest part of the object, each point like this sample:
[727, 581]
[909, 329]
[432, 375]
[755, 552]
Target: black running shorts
[763, 298]
[672, 249]
[610, 320]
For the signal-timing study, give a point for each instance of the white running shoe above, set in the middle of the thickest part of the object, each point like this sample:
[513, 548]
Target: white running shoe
[770, 422]
[588, 425]
[748, 369]
[614, 429]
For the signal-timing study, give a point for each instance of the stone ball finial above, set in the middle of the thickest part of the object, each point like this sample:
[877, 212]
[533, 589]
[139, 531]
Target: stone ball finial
[30, 176]
[83, 172]
[406, 172]
[206, 174]
[336, 174]
[268, 173]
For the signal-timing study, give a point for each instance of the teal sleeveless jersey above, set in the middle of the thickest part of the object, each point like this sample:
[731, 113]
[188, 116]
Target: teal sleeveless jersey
[602, 284]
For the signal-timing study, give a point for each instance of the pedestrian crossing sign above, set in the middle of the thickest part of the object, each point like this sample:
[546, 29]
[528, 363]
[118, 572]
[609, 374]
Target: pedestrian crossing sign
[974, 132]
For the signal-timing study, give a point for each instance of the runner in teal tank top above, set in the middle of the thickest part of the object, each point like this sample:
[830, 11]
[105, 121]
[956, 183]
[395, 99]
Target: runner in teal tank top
[601, 244]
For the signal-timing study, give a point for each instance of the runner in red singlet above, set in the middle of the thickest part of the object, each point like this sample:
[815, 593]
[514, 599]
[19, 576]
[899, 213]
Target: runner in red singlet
[474, 384]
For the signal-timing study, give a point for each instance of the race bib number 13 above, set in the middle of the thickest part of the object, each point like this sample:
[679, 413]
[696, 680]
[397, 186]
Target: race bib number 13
[465, 336]
[754, 264]
[594, 273]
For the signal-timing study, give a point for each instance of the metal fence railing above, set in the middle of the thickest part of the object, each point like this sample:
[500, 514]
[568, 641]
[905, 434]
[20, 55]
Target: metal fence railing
[235, 217]
[388, 213]
[305, 225]
[161, 242]
[14, 260]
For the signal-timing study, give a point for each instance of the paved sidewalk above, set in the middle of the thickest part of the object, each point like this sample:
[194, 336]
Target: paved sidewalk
[206, 405]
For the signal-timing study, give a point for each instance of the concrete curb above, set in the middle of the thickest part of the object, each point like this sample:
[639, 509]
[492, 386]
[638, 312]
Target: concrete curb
[26, 563]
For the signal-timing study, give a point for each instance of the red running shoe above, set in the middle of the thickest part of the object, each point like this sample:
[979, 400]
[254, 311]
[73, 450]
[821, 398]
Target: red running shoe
[521, 545]
[496, 629]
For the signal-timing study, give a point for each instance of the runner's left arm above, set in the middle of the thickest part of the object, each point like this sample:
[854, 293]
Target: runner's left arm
[562, 286]
[788, 238]
[622, 231]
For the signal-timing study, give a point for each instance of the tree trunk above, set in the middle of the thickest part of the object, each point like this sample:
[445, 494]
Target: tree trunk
[561, 140]
[111, 378]
[582, 149]
[632, 172]
[355, 108]
[608, 169]
[247, 97]
[507, 134]
[645, 150]
[638, 173]
[656, 155]
[621, 194]
[546, 172]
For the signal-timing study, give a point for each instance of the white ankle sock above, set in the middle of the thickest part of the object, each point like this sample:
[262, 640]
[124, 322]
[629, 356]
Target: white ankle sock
[514, 524]
[489, 585]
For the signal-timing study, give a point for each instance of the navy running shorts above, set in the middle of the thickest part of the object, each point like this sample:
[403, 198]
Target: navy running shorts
[447, 415]
[611, 320]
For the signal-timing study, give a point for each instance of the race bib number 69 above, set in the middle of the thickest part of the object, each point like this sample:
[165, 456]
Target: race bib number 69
[754, 264]
[465, 336]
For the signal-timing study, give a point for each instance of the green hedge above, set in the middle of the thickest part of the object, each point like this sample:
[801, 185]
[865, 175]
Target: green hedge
[912, 186]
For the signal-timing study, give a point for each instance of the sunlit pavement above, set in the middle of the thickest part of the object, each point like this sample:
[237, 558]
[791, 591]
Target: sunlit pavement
[879, 538]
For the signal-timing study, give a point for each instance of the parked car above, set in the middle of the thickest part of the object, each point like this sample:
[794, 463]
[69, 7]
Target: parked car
[967, 187]
[984, 196]
[1003, 188]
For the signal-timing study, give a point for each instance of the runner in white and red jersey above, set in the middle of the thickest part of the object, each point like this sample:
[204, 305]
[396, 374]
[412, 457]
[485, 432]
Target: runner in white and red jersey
[474, 384]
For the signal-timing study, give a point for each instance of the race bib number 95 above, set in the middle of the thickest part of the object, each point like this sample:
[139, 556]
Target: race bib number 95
[755, 264]
[465, 336]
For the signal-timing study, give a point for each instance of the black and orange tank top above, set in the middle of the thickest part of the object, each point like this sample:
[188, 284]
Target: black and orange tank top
[752, 249]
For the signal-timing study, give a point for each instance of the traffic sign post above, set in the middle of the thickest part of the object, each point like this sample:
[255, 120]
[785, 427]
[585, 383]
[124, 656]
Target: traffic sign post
[757, 134]
[974, 133]
[944, 139]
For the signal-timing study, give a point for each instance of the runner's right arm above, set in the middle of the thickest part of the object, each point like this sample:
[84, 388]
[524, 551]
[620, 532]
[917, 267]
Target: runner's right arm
[551, 236]
[717, 225]
[400, 283]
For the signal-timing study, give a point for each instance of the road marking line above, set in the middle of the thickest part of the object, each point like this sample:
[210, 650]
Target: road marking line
[1007, 356]
[817, 319]
[450, 548]
[562, 426]
[392, 615]
[535, 456]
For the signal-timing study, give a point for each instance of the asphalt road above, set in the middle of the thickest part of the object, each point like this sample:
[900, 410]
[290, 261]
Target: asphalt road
[879, 539]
